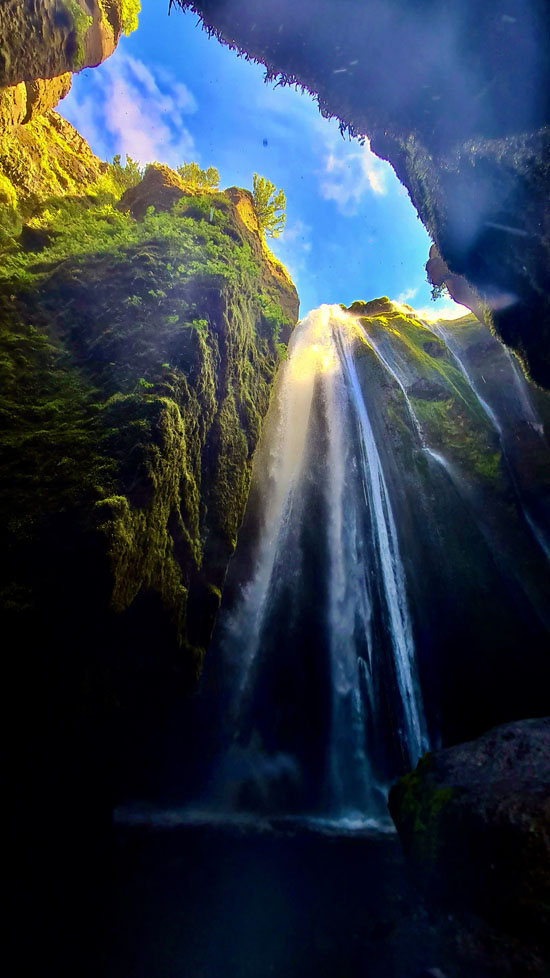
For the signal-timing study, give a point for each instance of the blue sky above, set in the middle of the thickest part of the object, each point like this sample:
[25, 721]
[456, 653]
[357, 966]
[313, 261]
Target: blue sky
[172, 94]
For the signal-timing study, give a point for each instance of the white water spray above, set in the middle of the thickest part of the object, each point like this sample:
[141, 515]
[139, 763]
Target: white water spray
[368, 625]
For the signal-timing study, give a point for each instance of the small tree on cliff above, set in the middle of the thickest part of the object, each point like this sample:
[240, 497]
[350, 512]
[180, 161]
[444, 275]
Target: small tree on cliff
[269, 204]
[201, 179]
[127, 175]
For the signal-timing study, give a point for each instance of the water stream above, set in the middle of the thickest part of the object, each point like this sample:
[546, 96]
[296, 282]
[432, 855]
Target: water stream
[319, 455]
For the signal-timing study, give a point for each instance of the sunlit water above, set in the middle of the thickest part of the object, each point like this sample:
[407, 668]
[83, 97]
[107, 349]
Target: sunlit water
[319, 453]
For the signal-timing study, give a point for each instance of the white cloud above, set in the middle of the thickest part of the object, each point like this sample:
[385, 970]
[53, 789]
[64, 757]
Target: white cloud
[297, 233]
[407, 294]
[135, 109]
[350, 172]
[448, 310]
[293, 248]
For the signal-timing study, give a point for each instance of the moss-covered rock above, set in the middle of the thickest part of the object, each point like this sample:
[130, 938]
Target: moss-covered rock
[467, 466]
[49, 39]
[474, 822]
[146, 350]
[46, 158]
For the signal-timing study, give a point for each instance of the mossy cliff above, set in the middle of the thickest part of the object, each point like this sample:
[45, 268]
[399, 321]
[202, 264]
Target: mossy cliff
[137, 358]
[466, 460]
[454, 96]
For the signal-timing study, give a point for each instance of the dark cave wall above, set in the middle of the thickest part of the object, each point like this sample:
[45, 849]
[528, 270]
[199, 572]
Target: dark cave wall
[454, 95]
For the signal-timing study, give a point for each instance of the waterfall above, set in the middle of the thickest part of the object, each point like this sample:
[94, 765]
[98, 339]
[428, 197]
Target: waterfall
[323, 625]
[389, 590]
[512, 414]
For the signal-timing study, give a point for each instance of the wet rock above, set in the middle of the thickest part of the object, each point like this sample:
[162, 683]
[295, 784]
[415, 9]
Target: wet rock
[434, 349]
[427, 390]
[474, 820]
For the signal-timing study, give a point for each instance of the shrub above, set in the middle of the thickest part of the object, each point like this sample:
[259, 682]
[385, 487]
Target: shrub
[269, 204]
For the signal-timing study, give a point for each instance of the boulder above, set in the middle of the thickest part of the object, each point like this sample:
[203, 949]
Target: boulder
[474, 820]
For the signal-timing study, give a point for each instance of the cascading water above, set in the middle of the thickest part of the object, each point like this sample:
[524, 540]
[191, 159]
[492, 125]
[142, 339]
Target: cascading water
[509, 415]
[323, 626]
[385, 575]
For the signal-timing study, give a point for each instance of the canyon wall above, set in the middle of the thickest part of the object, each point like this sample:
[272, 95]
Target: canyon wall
[141, 334]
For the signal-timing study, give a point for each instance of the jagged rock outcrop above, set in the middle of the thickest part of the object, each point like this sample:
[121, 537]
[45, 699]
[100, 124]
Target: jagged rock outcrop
[27, 100]
[438, 274]
[46, 157]
[42, 45]
[160, 188]
[475, 820]
[454, 96]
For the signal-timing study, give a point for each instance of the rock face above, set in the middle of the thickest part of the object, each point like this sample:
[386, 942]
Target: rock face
[160, 188]
[463, 442]
[44, 158]
[41, 47]
[454, 97]
[438, 273]
[475, 822]
[27, 100]
[138, 359]
[47, 39]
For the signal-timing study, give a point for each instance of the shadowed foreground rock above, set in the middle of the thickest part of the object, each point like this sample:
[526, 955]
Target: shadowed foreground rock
[474, 821]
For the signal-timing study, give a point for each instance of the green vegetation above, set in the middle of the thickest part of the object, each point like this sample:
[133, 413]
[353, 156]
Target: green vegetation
[419, 806]
[275, 319]
[81, 24]
[129, 10]
[200, 179]
[137, 328]
[439, 292]
[450, 415]
[269, 204]
[125, 176]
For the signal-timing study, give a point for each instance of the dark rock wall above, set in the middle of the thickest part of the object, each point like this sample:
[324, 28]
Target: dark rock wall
[473, 820]
[455, 96]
